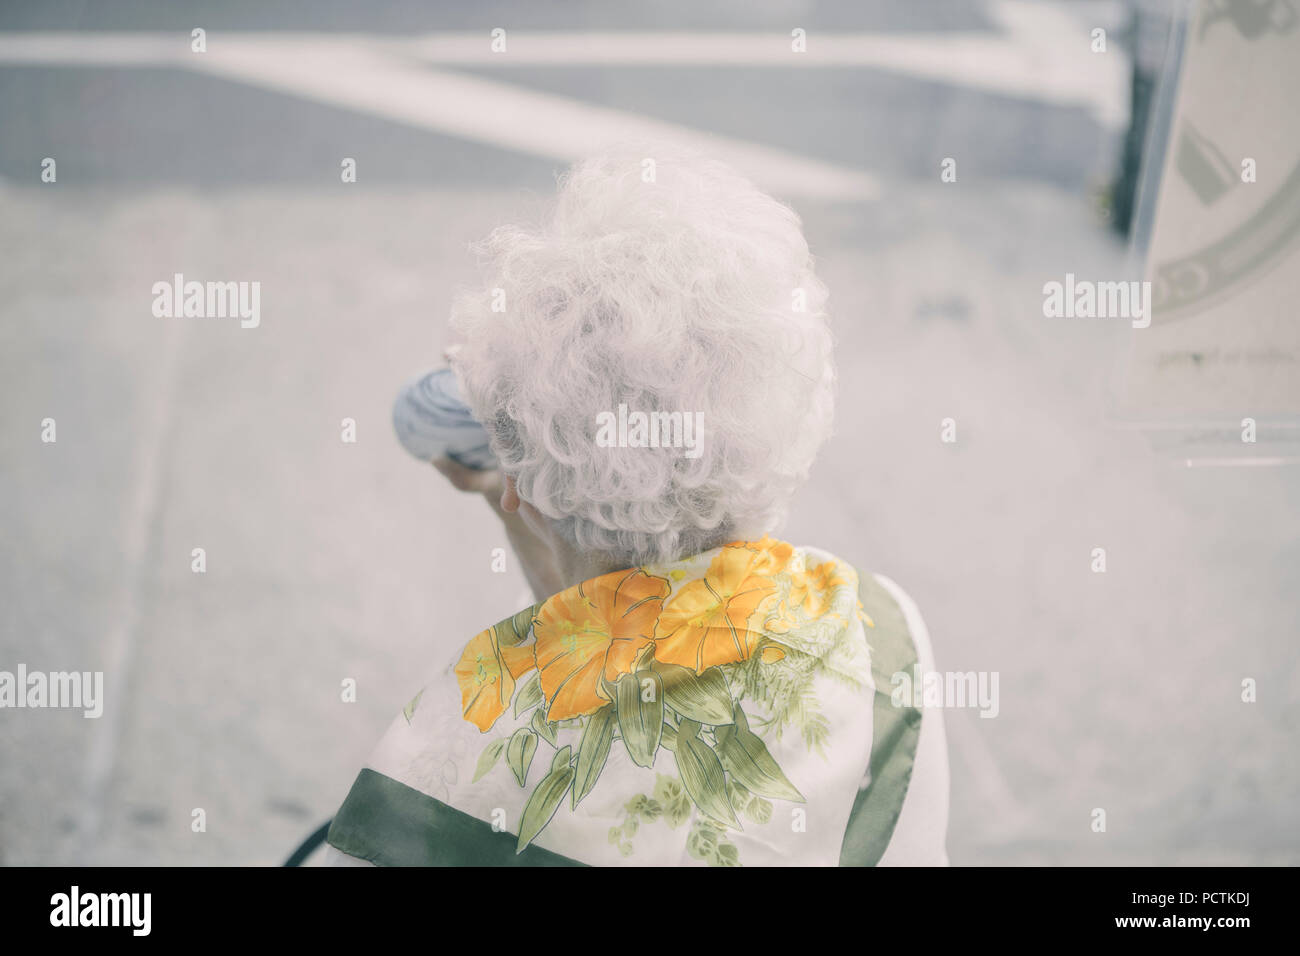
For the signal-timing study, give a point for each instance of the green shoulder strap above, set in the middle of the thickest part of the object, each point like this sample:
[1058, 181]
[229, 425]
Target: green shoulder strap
[894, 735]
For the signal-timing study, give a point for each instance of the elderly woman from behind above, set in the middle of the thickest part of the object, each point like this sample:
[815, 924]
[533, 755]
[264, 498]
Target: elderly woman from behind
[655, 375]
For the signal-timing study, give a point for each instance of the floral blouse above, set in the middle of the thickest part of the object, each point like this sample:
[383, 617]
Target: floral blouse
[732, 708]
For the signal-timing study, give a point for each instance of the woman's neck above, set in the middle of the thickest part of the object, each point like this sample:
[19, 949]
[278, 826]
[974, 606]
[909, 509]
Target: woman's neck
[577, 566]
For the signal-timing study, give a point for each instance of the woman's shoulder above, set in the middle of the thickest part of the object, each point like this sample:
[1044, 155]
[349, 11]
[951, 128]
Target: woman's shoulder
[887, 604]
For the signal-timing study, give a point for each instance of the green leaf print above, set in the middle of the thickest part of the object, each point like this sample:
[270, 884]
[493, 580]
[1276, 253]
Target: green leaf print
[519, 753]
[529, 696]
[703, 698]
[488, 758]
[702, 775]
[515, 631]
[640, 714]
[593, 751]
[672, 797]
[745, 757]
[545, 799]
[409, 710]
[544, 728]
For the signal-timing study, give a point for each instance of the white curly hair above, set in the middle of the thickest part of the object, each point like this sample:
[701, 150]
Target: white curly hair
[665, 282]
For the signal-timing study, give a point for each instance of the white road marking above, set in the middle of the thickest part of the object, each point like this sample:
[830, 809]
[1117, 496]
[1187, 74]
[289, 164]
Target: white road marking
[120, 642]
[94, 49]
[508, 116]
[1241, 462]
[366, 76]
[1042, 56]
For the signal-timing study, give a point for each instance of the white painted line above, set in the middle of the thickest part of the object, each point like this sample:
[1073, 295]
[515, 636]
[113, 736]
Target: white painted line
[1207, 424]
[366, 77]
[121, 638]
[1056, 41]
[94, 49]
[1043, 55]
[1241, 462]
[504, 115]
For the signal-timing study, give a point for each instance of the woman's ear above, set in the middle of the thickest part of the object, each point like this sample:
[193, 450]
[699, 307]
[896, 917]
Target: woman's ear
[509, 496]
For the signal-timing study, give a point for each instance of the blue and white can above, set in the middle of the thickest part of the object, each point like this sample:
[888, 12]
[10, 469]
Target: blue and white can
[433, 421]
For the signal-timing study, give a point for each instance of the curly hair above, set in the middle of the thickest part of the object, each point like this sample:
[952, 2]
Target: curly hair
[665, 282]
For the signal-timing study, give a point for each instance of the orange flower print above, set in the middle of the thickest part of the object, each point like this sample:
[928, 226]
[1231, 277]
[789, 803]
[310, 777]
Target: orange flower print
[592, 631]
[774, 555]
[812, 589]
[486, 674]
[707, 622]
